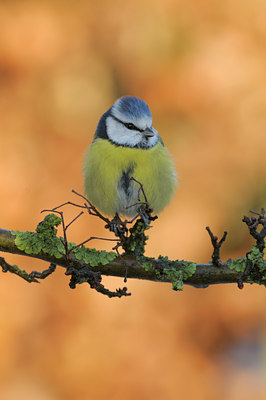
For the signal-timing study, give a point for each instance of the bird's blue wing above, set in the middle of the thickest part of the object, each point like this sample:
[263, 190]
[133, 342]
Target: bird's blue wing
[101, 127]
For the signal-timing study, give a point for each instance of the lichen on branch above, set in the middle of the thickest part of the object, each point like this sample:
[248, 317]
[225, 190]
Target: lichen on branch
[44, 239]
[85, 264]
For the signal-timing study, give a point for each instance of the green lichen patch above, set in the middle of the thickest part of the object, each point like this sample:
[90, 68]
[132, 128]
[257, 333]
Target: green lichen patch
[238, 265]
[253, 266]
[175, 271]
[256, 257]
[44, 239]
[258, 270]
[135, 243]
[147, 265]
[93, 257]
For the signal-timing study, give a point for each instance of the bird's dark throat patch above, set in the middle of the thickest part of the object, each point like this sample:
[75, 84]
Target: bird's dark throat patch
[125, 181]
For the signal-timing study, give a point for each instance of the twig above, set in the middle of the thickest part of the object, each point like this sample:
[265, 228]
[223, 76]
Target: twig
[92, 238]
[216, 247]
[94, 280]
[73, 220]
[43, 274]
[65, 204]
[141, 189]
[31, 277]
[253, 224]
[137, 204]
[91, 207]
[122, 260]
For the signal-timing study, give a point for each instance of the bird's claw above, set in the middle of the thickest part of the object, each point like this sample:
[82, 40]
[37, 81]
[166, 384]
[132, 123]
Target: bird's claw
[117, 226]
[145, 215]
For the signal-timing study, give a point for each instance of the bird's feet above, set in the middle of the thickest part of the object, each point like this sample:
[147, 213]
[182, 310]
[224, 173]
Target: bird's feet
[117, 226]
[145, 214]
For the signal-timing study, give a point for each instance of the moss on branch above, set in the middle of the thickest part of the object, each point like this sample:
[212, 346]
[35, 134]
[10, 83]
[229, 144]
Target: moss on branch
[85, 264]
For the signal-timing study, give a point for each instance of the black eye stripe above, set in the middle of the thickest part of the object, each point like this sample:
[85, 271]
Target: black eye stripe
[128, 125]
[131, 126]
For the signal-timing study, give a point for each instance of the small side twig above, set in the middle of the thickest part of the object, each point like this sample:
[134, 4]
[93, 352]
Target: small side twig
[94, 280]
[31, 277]
[253, 224]
[141, 189]
[122, 260]
[43, 274]
[74, 219]
[216, 260]
[90, 207]
[93, 238]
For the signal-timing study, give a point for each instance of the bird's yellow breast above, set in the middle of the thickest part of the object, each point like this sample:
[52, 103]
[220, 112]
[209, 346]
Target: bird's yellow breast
[107, 171]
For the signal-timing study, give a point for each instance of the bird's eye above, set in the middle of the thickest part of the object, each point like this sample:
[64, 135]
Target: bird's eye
[131, 126]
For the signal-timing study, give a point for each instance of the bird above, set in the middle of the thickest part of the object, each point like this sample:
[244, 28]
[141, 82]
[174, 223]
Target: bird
[127, 165]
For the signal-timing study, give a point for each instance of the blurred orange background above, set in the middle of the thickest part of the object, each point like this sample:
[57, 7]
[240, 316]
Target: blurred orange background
[201, 67]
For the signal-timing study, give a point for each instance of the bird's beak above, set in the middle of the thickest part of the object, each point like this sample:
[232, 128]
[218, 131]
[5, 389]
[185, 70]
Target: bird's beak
[149, 132]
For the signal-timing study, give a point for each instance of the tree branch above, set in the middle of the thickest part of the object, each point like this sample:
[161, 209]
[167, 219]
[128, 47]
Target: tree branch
[205, 275]
[84, 264]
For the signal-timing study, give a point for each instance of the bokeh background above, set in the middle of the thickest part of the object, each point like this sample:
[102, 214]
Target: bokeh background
[201, 67]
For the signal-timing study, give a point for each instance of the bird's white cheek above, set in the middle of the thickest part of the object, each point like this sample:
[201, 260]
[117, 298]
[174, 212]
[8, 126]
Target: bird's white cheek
[120, 135]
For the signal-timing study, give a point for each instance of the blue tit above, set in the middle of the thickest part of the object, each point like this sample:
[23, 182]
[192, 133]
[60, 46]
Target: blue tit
[126, 146]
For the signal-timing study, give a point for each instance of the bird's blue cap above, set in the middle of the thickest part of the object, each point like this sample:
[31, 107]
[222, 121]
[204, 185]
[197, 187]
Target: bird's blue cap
[132, 106]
